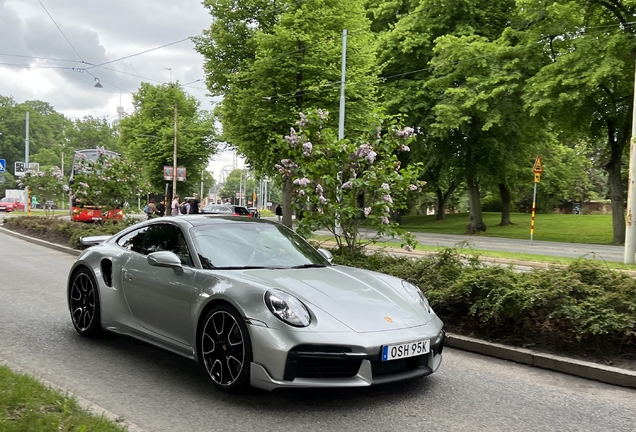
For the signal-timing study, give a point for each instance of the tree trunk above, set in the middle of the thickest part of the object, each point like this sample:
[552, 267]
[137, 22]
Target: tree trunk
[476, 220]
[505, 205]
[615, 182]
[442, 201]
[287, 202]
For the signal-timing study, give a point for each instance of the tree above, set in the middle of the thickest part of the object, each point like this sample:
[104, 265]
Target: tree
[271, 64]
[47, 185]
[585, 84]
[147, 135]
[109, 182]
[330, 175]
[235, 183]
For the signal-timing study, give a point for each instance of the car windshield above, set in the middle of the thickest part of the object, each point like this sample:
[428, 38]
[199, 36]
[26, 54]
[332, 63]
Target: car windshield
[7, 199]
[217, 209]
[239, 245]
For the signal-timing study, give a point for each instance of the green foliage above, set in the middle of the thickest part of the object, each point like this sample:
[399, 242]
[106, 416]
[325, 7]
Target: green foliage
[345, 182]
[45, 185]
[62, 231]
[147, 135]
[584, 303]
[27, 405]
[109, 181]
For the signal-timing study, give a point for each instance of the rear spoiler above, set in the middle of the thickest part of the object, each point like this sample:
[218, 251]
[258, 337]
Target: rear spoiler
[93, 240]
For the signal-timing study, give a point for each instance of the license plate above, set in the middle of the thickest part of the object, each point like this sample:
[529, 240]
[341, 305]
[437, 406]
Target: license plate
[2, 208]
[398, 351]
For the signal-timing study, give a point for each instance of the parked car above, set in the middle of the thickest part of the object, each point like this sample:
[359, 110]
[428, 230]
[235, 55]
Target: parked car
[8, 204]
[217, 209]
[50, 205]
[254, 211]
[240, 211]
[253, 303]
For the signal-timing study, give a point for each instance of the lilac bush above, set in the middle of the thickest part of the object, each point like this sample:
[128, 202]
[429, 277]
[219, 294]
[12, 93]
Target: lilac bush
[341, 184]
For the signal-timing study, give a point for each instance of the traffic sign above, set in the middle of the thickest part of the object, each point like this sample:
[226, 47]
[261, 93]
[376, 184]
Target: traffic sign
[537, 177]
[20, 169]
[3, 165]
[538, 166]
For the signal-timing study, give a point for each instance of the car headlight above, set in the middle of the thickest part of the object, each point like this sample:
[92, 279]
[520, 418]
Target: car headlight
[287, 308]
[417, 295]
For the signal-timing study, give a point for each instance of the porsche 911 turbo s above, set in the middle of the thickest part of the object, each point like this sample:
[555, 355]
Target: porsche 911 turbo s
[254, 304]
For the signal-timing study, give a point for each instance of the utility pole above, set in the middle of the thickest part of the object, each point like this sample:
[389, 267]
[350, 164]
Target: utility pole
[630, 228]
[341, 121]
[174, 155]
[27, 206]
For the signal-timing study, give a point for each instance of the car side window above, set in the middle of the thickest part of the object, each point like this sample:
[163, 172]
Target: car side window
[133, 241]
[167, 237]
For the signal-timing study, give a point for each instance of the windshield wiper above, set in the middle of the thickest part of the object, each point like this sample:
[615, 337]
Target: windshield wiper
[308, 266]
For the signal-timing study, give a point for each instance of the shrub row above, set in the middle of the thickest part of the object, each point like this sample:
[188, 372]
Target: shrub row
[583, 307]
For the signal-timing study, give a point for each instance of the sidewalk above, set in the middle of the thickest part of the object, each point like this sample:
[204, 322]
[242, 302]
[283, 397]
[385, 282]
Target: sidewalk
[583, 369]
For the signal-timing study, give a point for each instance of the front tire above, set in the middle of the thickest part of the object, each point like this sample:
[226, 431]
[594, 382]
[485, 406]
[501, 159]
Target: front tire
[226, 349]
[83, 301]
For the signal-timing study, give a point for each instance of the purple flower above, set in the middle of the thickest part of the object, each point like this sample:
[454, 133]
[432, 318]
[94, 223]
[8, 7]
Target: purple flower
[371, 156]
[406, 132]
[322, 200]
[292, 138]
[387, 209]
[362, 151]
[404, 148]
[80, 155]
[323, 114]
[301, 192]
[100, 150]
[66, 188]
[413, 187]
[387, 198]
[84, 185]
[303, 120]
[347, 185]
[302, 181]
[385, 220]
[385, 186]
[307, 148]
[367, 210]
[319, 189]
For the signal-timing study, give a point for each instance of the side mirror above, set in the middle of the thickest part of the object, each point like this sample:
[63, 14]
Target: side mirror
[325, 253]
[164, 259]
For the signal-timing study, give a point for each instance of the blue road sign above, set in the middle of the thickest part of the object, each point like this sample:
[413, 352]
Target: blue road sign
[3, 165]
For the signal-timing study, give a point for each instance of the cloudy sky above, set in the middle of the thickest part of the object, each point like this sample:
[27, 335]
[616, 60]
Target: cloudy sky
[38, 62]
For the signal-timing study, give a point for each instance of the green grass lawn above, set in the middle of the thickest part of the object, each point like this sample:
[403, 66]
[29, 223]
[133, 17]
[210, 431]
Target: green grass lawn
[27, 405]
[550, 227]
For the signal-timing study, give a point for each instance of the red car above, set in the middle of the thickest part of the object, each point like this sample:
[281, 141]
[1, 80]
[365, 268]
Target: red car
[95, 214]
[11, 204]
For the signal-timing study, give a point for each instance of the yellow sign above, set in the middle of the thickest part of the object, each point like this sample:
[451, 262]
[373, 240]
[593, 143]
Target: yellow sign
[537, 177]
[538, 166]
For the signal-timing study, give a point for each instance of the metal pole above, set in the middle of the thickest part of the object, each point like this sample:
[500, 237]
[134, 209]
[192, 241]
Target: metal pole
[62, 176]
[174, 155]
[534, 200]
[630, 228]
[27, 206]
[201, 194]
[342, 86]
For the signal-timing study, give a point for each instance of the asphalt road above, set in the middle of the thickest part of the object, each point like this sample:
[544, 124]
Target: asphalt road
[160, 391]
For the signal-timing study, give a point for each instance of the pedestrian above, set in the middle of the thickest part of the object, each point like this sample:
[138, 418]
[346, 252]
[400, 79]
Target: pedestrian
[151, 209]
[194, 205]
[279, 213]
[34, 202]
[174, 206]
[161, 209]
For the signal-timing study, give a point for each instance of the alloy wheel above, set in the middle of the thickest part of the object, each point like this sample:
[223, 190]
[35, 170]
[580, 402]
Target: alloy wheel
[82, 301]
[223, 348]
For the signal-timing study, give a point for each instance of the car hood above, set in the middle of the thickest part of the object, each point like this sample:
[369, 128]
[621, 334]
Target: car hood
[362, 300]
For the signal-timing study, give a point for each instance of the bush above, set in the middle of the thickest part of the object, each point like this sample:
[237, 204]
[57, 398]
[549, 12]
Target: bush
[63, 231]
[583, 305]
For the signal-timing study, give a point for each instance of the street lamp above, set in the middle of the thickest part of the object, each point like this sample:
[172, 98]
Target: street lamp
[98, 84]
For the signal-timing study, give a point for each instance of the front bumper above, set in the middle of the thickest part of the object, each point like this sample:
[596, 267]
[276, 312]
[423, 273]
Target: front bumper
[353, 362]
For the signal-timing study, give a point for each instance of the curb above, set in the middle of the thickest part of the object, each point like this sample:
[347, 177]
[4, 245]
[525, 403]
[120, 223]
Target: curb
[583, 369]
[44, 243]
[85, 404]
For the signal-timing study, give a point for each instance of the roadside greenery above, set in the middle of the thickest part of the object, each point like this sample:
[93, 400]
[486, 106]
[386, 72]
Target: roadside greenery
[28, 405]
[45, 185]
[340, 184]
[583, 308]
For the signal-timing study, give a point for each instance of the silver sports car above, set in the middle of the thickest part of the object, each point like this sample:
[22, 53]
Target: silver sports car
[253, 303]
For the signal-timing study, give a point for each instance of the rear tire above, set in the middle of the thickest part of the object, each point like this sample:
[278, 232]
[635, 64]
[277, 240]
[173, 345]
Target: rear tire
[84, 306]
[225, 349]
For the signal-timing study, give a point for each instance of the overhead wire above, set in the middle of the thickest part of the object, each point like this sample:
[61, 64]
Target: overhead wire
[58, 27]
